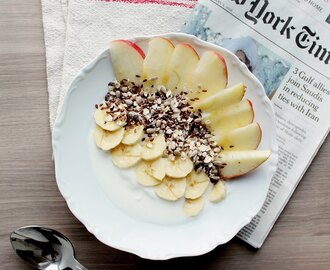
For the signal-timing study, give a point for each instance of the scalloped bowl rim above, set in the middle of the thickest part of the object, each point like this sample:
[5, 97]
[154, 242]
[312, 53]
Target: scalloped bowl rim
[217, 238]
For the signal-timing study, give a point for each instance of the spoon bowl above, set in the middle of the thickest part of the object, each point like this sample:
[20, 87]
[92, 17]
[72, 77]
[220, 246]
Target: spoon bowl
[44, 248]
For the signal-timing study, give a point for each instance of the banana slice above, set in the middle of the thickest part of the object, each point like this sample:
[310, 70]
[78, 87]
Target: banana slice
[125, 156]
[143, 177]
[100, 117]
[153, 149]
[178, 168]
[171, 189]
[192, 207]
[107, 140]
[133, 135]
[197, 184]
[156, 168]
[218, 192]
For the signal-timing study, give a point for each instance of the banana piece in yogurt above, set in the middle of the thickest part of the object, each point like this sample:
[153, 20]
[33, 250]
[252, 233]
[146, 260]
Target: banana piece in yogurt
[126, 156]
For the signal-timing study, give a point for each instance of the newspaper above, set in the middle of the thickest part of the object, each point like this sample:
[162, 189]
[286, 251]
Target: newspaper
[286, 44]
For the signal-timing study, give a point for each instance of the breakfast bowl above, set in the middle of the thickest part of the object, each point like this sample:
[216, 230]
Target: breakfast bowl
[129, 216]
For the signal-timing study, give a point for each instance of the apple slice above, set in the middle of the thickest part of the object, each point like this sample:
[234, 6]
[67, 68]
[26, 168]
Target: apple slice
[156, 62]
[210, 74]
[234, 116]
[243, 138]
[221, 99]
[127, 60]
[237, 163]
[182, 64]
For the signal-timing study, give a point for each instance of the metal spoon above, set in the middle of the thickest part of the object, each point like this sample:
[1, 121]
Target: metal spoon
[44, 248]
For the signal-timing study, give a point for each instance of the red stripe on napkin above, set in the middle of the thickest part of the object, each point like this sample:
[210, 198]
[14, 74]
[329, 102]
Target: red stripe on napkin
[159, 2]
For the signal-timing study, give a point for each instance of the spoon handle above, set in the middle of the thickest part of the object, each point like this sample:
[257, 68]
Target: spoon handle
[76, 266]
[52, 267]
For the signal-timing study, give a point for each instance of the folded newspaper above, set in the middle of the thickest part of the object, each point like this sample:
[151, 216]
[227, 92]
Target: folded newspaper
[285, 44]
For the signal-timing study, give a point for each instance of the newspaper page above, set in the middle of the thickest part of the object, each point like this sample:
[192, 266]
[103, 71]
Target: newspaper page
[286, 44]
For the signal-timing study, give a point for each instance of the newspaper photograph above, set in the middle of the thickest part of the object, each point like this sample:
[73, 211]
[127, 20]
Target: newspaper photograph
[285, 44]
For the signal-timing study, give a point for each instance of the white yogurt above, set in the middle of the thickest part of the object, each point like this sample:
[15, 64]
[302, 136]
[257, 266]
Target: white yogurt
[135, 200]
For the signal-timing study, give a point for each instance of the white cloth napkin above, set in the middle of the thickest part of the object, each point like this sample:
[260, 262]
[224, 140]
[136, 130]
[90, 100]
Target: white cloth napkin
[54, 15]
[76, 30]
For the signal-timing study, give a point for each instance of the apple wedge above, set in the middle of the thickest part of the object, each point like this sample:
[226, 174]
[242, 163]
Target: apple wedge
[221, 99]
[182, 64]
[127, 60]
[155, 64]
[210, 74]
[243, 138]
[234, 116]
[237, 163]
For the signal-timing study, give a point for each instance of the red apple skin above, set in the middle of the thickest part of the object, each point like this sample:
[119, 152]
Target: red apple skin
[224, 62]
[260, 134]
[190, 47]
[252, 110]
[133, 45]
[167, 41]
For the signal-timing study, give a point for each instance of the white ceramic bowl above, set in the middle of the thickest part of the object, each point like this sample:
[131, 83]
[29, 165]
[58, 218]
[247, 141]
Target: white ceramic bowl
[101, 205]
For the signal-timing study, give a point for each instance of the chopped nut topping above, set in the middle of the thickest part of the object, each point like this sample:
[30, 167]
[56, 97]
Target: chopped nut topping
[161, 111]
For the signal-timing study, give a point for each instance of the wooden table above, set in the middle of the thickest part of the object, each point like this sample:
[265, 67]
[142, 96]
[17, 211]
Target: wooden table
[29, 195]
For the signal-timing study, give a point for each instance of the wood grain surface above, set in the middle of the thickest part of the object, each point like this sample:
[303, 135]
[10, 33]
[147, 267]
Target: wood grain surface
[29, 195]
